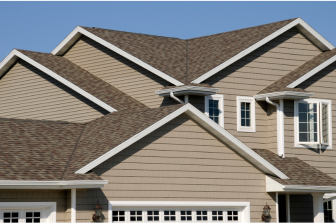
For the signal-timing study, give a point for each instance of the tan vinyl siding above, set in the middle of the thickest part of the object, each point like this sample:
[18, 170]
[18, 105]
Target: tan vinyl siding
[194, 166]
[28, 93]
[120, 72]
[323, 86]
[271, 128]
[254, 72]
[58, 196]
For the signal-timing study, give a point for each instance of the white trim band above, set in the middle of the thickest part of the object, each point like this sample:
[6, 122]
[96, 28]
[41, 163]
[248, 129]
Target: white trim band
[32, 184]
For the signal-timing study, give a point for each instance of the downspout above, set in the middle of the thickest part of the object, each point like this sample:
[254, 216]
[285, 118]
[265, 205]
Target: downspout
[280, 126]
[175, 98]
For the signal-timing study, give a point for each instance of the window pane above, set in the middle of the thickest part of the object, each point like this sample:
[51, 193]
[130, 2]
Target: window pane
[243, 122]
[303, 117]
[325, 123]
[303, 127]
[247, 114]
[303, 107]
[247, 106]
[6, 214]
[15, 214]
[215, 104]
[303, 137]
[248, 123]
[242, 114]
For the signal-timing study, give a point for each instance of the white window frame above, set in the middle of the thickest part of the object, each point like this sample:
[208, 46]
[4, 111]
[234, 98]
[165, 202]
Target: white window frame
[47, 209]
[243, 209]
[317, 145]
[250, 100]
[220, 98]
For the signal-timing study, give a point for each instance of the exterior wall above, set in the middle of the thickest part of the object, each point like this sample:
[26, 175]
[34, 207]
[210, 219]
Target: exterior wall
[256, 71]
[58, 196]
[120, 72]
[178, 162]
[28, 93]
[323, 86]
[301, 208]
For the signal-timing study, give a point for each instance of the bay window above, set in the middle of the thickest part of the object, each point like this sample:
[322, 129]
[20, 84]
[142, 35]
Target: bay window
[313, 123]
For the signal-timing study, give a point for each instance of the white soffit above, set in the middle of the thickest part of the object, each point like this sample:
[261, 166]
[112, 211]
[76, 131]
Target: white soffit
[78, 32]
[207, 123]
[14, 55]
[312, 72]
[301, 25]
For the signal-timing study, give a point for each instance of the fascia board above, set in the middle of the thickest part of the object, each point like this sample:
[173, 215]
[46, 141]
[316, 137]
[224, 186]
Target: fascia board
[312, 72]
[205, 122]
[7, 62]
[74, 35]
[59, 78]
[309, 188]
[184, 88]
[18, 184]
[283, 95]
[317, 37]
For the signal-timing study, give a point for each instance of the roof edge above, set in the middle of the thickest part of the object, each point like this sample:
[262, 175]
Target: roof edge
[14, 55]
[79, 31]
[303, 27]
[202, 90]
[312, 72]
[283, 95]
[207, 123]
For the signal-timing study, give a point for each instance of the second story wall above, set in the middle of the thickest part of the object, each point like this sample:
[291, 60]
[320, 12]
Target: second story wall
[253, 73]
[28, 93]
[323, 86]
[120, 72]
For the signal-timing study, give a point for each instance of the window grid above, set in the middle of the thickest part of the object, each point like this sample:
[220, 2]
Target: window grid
[214, 110]
[308, 122]
[11, 217]
[33, 217]
[180, 215]
[327, 207]
[245, 114]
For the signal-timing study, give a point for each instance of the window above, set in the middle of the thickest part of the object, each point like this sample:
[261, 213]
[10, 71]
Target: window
[245, 114]
[217, 216]
[313, 123]
[136, 216]
[169, 216]
[11, 217]
[33, 217]
[214, 108]
[201, 215]
[186, 216]
[327, 207]
[153, 216]
[119, 216]
[232, 216]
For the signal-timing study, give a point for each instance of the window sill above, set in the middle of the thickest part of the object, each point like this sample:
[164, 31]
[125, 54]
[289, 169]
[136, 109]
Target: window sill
[315, 146]
[240, 129]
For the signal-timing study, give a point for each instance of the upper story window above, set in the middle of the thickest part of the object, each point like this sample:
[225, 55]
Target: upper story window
[214, 108]
[313, 123]
[245, 114]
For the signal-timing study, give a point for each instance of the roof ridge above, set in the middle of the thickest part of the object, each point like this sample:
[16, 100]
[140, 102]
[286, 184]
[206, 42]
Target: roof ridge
[152, 35]
[242, 29]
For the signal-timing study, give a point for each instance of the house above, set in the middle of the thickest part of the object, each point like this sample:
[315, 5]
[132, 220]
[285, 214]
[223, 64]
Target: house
[160, 129]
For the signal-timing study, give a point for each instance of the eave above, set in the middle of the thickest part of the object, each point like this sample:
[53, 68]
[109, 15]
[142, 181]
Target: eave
[188, 90]
[288, 95]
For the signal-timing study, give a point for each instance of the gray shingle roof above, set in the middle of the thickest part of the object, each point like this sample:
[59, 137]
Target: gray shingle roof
[85, 80]
[169, 55]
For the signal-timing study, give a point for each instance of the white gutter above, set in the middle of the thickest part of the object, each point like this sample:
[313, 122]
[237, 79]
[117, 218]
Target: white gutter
[290, 95]
[35, 184]
[183, 90]
[175, 98]
[280, 126]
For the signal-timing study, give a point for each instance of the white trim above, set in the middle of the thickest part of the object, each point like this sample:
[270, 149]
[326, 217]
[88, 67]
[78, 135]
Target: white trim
[250, 100]
[289, 95]
[195, 90]
[220, 98]
[297, 144]
[277, 206]
[206, 123]
[48, 207]
[14, 55]
[73, 205]
[318, 207]
[140, 204]
[312, 72]
[75, 35]
[274, 186]
[280, 127]
[310, 33]
[27, 184]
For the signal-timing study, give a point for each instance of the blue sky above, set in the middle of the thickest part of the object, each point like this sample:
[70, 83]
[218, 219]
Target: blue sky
[41, 26]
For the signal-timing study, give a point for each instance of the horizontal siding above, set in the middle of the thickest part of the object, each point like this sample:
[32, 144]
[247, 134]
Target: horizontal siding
[323, 86]
[58, 196]
[194, 166]
[119, 72]
[28, 93]
[254, 72]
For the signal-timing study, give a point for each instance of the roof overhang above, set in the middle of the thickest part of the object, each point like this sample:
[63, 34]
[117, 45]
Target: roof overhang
[14, 55]
[301, 25]
[206, 123]
[188, 90]
[287, 95]
[274, 186]
[79, 31]
[69, 184]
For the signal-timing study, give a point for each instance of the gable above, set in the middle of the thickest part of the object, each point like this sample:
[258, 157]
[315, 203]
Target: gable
[118, 71]
[28, 93]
